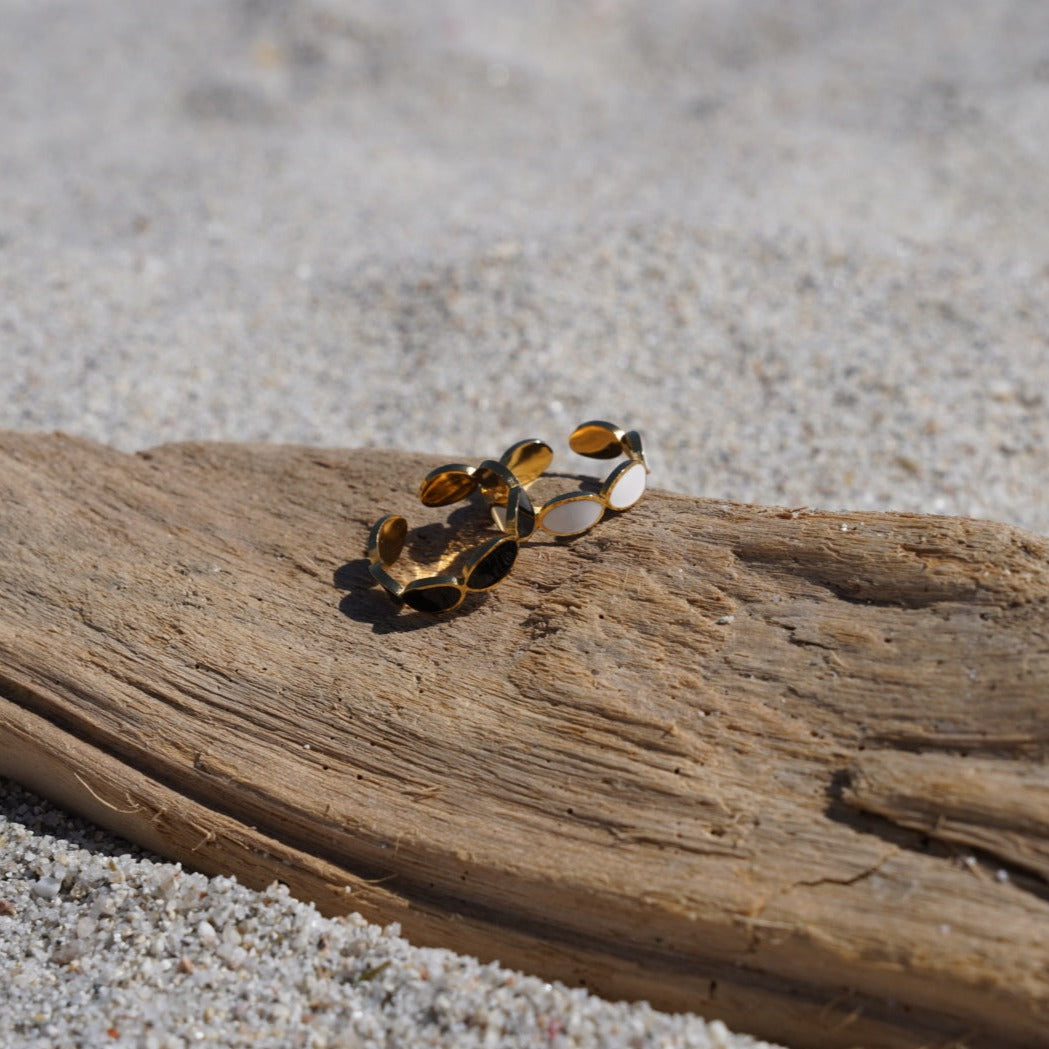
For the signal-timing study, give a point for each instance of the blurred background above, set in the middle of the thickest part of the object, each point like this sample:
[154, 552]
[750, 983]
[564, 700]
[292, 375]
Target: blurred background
[803, 247]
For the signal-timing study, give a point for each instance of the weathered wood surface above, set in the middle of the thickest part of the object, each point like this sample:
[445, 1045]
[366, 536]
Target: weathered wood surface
[787, 768]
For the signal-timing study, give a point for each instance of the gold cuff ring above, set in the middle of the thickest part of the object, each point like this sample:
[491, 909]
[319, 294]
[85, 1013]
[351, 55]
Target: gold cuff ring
[574, 513]
[483, 569]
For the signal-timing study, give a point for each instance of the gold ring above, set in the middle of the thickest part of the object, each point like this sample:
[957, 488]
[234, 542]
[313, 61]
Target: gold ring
[485, 567]
[574, 513]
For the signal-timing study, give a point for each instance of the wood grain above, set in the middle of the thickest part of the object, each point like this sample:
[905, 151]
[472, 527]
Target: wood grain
[784, 767]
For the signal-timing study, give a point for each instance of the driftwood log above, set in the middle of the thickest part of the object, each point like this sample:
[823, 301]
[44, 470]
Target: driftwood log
[782, 767]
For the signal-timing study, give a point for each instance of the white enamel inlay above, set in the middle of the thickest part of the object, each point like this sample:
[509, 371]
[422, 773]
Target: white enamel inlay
[499, 517]
[628, 488]
[572, 518]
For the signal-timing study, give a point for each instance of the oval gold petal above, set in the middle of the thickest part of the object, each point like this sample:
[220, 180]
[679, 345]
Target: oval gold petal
[387, 539]
[447, 484]
[597, 440]
[528, 459]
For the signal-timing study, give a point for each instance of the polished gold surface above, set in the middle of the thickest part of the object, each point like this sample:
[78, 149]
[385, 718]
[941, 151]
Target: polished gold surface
[483, 568]
[434, 594]
[597, 440]
[500, 487]
[570, 514]
[447, 484]
[386, 540]
[527, 459]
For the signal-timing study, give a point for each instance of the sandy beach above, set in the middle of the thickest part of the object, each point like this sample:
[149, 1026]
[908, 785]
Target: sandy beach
[803, 248]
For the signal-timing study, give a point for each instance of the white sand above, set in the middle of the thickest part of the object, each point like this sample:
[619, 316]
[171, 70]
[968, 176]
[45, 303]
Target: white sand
[804, 248]
[100, 947]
